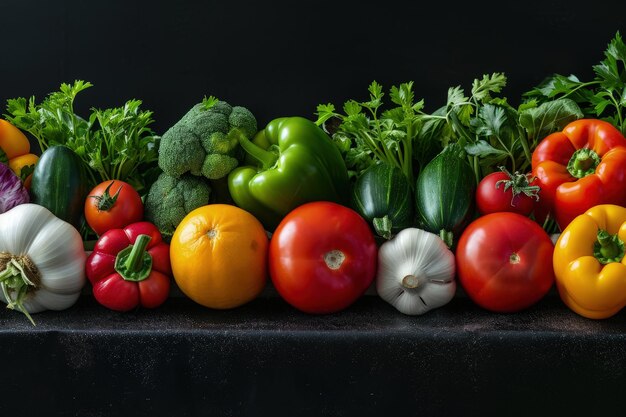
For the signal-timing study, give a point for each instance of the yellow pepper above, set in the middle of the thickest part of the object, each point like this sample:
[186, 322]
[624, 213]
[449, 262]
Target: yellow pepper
[15, 152]
[589, 263]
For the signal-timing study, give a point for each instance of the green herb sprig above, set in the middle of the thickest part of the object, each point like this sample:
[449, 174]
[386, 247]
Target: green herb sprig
[604, 97]
[115, 143]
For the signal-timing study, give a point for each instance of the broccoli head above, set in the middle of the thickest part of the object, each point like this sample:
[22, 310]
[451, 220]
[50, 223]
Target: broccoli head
[205, 141]
[170, 199]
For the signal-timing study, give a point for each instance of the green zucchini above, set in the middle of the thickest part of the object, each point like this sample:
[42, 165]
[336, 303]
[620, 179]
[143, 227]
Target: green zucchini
[59, 184]
[382, 195]
[444, 195]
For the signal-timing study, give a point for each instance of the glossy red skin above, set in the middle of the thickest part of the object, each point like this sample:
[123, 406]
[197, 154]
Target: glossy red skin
[565, 196]
[128, 207]
[296, 257]
[110, 289]
[490, 199]
[485, 270]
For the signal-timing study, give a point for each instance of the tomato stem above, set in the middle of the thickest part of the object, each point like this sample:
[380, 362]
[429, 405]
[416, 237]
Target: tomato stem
[519, 184]
[106, 200]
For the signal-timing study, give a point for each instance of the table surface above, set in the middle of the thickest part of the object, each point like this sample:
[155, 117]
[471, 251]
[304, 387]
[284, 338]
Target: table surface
[266, 358]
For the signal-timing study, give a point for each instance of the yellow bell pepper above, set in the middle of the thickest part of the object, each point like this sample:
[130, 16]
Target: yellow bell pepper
[589, 263]
[15, 152]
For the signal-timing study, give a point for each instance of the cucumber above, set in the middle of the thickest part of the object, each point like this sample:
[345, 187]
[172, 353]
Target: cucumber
[444, 195]
[59, 184]
[382, 195]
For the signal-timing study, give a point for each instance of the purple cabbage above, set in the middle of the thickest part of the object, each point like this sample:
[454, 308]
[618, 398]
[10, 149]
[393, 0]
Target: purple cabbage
[12, 191]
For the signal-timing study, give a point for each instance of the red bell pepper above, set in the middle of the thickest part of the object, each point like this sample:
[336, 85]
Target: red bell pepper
[578, 168]
[130, 267]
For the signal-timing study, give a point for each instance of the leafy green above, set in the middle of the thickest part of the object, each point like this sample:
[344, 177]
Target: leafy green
[549, 117]
[492, 131]
[604, 97]
[115, 143]
[122, 145]
[366, 133]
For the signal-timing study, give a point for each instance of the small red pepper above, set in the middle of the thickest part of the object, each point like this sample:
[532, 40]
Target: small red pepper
[130, 267]
[580, 167]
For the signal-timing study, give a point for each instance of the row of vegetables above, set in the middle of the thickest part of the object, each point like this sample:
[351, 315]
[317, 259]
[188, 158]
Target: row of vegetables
[384, 194]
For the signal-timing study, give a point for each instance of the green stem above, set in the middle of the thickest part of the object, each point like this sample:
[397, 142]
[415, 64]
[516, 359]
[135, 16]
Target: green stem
[608, 248]
[408, 154]
[266, 158]
[476, 167]
[524, 141]
[106, 201]
[367, 139]
[583, 162]
[581, 85]
[447, 237]
[134, 263]
[135, 259]
[383, 226]
[617, 110]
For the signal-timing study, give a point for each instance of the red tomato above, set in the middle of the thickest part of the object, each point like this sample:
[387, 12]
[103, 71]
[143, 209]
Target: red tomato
[491, 196]
[504, 262]
[112, 205]
[322, 257]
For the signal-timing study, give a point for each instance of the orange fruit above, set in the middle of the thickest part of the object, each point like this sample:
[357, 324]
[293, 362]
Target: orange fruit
[219, 256]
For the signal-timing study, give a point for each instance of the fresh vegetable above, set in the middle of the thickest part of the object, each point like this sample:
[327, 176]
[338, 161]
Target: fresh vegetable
[368, 136]
[42, 260]
[504, 262]
[15, 151]
[578, 168]
[59, 184]
[297, 164]
[115, 143]
[492, 132]
[503, 135]
[503, 191]
[445, 195]
[383, 196]
[588, 262]
[23, 166]
[130, 267]
[12, 191]
[205, 141]
[219, 256]
[171, 199]
[322, 257]
[415, 272]
[112, 205]
[601, 98]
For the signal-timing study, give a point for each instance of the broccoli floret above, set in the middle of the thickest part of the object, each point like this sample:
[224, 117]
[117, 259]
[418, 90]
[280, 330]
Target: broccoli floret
[205, 141]
[171, 199]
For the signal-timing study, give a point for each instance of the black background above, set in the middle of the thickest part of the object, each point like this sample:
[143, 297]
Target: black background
[282, 58]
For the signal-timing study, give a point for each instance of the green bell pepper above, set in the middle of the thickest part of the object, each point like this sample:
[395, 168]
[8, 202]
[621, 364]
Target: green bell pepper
[296, 163]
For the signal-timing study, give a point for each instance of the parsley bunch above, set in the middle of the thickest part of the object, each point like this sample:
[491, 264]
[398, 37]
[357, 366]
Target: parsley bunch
[115, 143]
[366, 133]
[490, 131]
